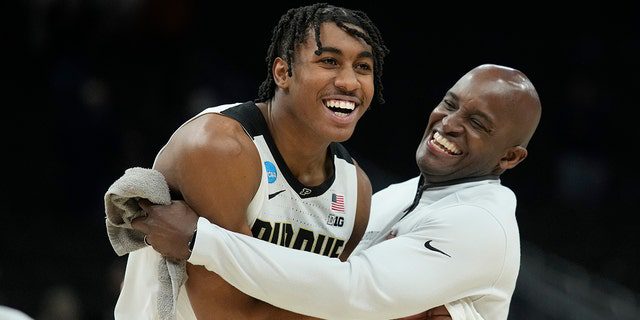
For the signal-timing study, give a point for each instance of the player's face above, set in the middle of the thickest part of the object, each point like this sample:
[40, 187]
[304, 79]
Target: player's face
[330, 92]
[469, 131]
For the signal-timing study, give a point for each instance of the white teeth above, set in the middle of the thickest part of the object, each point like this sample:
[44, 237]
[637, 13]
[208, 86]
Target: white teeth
[446, 144]
[348, 106]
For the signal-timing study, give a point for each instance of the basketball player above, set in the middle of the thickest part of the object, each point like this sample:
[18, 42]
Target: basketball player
[274, 168]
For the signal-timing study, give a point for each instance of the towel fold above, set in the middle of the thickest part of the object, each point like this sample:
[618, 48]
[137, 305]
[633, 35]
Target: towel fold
[121, 206]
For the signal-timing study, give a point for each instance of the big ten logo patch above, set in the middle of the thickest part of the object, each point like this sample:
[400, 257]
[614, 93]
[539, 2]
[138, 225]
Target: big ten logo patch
[336, 221]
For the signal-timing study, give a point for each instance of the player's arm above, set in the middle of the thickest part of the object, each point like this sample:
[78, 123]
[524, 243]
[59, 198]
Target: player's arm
[212, 163]
[362, 213]
[214, 166]
[396, 278]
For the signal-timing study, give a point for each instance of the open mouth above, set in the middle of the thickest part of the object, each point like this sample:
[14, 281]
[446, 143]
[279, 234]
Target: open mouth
[340, 108]
[445, 145]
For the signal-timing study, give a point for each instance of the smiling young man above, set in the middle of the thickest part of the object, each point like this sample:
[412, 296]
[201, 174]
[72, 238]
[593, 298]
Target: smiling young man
[447, 237]
[274, 168]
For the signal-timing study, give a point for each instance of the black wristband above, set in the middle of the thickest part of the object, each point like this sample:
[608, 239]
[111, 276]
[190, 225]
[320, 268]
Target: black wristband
[193, 241]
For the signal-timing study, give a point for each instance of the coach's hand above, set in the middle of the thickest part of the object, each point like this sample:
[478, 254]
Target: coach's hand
[167, 228]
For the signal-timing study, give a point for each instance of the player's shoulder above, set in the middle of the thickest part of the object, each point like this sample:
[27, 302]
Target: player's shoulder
[205, 138]
[211, 130]
[213, 120]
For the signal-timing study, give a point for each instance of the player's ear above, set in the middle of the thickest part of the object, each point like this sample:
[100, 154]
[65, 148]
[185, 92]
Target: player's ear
[512, 157]
[281, 73]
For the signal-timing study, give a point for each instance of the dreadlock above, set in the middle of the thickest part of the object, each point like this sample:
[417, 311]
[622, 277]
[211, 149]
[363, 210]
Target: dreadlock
[293, 27]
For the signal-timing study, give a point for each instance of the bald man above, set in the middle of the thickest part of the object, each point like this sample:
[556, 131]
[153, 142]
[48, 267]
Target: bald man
[447, 237]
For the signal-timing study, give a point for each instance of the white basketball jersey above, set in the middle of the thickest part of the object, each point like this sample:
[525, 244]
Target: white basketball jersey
[284, 211]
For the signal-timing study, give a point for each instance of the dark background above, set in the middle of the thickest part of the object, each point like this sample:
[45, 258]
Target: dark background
[95, 87]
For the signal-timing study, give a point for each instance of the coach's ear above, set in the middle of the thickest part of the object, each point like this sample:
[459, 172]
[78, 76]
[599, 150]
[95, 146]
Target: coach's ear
[512, 157]
[281, 73]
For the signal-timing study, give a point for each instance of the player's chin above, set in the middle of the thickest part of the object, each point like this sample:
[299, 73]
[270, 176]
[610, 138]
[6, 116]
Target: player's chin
[342, 135]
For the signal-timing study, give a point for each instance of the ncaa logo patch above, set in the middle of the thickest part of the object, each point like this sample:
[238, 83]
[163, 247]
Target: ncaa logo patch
[272, 174]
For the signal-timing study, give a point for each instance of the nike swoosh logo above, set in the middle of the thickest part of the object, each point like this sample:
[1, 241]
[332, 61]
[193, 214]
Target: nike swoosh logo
[432, 248]
[275, 194]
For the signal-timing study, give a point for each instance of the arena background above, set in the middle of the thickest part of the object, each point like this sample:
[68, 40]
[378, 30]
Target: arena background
[95, 87]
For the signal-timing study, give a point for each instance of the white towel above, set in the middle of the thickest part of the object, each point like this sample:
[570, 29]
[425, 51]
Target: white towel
[121, 206]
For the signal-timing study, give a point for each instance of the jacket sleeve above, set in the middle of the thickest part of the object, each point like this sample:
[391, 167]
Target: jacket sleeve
[437, 262]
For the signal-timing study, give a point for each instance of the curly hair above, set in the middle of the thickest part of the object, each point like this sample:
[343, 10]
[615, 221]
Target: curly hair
[293, 27]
